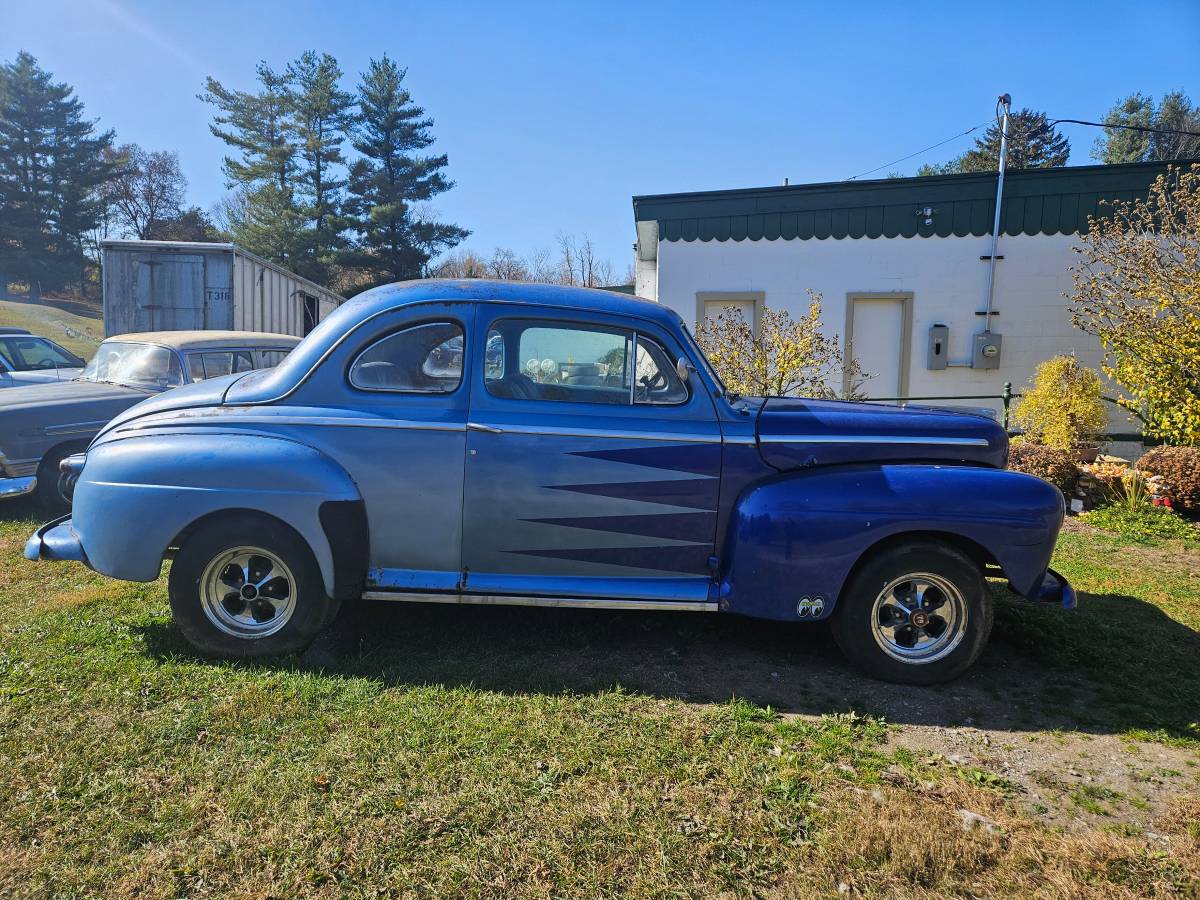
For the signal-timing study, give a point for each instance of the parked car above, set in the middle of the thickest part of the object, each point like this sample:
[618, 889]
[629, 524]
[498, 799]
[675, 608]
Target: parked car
[497, 443]
[30, 359]
[40, 425]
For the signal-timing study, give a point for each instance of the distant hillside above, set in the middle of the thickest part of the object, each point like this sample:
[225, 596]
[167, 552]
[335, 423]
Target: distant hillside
[79, 334]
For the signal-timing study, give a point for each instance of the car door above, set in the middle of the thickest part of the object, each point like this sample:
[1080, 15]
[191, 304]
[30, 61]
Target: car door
[578, 483]
[389, 405]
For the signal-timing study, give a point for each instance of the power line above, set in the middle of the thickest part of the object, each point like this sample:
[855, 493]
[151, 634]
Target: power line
[919, 152]
[1126, 127]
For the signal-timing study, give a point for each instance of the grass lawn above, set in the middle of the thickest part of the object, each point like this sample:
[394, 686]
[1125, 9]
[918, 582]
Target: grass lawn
[79, 334]
[525, 752]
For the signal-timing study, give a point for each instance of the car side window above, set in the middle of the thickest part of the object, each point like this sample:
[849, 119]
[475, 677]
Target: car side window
[578, 363]
[213, 364]
[424, 359]
[541, 361]
[271, 358]
[657, 382]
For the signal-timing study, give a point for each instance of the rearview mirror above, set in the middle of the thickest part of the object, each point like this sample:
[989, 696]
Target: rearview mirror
[683, 368]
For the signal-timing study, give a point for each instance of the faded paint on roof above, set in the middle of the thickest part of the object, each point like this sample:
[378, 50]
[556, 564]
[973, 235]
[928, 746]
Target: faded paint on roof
[200, 340]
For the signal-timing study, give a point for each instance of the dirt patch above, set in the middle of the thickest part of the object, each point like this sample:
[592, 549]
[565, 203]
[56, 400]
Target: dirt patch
[1070, 780]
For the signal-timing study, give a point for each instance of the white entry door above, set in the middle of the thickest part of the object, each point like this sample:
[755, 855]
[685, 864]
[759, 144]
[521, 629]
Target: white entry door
[877, 336]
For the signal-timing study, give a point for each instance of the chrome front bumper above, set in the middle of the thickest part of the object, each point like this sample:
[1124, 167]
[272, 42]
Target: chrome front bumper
[17, 487]
[56, 540]
[1055, 589]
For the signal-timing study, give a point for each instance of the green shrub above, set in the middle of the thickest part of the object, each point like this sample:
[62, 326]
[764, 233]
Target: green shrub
[1048, 463]
[1142, 523]
[1179, 468]
[1063, 408]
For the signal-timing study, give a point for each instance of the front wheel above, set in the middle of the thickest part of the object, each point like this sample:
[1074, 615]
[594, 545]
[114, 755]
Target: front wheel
[917, 613]
[246, 587]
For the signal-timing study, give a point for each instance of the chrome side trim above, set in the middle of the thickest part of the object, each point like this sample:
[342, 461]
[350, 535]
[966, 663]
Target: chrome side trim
[872, 439]
[175, 420]
[17, 487]
[75, 427]
[327, 421]
[668, 437]
[511, 600]
[741, 440]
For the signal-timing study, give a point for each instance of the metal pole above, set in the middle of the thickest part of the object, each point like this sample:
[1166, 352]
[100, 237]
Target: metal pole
[1006, 102]
[1007, 402]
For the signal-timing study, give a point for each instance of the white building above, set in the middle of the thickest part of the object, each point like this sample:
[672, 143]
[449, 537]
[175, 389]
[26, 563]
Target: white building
[902, 265]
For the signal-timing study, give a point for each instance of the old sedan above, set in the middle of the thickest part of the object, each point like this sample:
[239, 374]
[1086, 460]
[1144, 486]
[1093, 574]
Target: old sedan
[498, 443]
[31, 359]
[40, 425]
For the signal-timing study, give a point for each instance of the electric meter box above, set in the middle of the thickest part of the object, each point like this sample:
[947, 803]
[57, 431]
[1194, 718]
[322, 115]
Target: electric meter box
[939, 347]
[987, 351]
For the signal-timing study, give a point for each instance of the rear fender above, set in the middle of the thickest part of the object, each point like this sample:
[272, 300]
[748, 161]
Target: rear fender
[136, 495]
[798, 537]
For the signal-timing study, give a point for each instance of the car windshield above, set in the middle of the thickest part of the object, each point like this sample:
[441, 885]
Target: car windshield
[134, 364]
[26, 353]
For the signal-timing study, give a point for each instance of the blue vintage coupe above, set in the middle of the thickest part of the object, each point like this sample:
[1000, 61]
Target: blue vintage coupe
[501, 443]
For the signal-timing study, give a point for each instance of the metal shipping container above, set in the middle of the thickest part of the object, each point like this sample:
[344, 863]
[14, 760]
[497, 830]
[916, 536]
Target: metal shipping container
[176, 285]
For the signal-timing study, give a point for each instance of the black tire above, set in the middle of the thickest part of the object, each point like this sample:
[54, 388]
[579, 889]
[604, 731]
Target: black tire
[310, 610]
[49, 481]
[966, 619]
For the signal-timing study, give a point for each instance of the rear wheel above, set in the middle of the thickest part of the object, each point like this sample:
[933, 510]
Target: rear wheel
[917, 613]
[247, 586]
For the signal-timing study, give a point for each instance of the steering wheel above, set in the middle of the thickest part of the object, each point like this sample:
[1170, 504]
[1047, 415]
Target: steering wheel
[648, 384]
[46, 363]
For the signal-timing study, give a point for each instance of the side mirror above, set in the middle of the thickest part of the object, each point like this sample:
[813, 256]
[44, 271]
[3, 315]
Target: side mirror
[683, 369]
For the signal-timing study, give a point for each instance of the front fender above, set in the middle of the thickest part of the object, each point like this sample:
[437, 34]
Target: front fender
[136, 494]
[799, 536]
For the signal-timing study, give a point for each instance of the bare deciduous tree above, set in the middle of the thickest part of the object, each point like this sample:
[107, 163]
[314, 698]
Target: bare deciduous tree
[149, 189]
[575, 264]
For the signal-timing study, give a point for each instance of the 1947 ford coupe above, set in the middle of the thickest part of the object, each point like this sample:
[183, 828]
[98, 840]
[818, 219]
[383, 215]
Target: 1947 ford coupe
[485, 442]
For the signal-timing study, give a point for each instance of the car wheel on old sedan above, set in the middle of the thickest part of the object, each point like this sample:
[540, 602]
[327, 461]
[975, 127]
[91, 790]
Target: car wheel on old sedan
[49, 481]
[915, 613]
[247, 586]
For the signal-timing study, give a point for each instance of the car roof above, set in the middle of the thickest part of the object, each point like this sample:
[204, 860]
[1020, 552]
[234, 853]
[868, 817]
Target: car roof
[202, 340]
[5, 329]
[484, 290]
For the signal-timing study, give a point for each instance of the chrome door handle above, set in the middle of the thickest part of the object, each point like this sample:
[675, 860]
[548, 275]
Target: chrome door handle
[475, 426]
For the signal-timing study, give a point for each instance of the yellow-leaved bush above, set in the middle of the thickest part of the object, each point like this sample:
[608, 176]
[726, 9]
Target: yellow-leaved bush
[781, 357]
[1137, 289]
[1063, 408]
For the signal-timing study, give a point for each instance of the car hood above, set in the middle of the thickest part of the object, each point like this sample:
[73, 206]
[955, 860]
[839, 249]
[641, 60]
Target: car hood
[190, 396]
[796, 433]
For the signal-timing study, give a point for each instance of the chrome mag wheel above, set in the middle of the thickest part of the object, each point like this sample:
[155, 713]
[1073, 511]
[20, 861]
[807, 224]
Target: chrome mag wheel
[919, 618]
[248, 592]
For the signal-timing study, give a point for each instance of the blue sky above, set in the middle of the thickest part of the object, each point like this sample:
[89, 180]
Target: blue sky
[555, 114]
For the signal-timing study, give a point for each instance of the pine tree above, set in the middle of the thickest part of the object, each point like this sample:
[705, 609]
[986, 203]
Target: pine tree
[259, 125]
[397, 239]
[322, 112]
[1173, 113]
[51, 175]
[1120, 145]
[1176, 113]
[263, 213]
[1032, 144]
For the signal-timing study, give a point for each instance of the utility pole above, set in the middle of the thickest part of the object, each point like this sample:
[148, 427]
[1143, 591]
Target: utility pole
[1005, 103]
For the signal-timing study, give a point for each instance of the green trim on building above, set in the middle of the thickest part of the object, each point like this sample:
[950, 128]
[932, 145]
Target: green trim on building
[1036, 201]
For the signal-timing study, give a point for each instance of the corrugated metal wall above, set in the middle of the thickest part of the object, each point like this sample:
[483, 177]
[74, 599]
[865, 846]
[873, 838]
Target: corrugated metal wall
[160, 285]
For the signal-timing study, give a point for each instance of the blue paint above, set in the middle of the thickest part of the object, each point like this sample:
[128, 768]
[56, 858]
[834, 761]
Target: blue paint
[466, 491]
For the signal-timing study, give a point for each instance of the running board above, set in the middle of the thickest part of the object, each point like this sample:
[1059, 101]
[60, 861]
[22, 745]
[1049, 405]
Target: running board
[512, 600]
